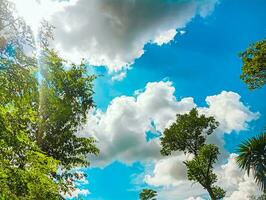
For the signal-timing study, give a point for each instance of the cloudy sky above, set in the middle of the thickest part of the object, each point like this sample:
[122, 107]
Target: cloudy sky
[159, 58]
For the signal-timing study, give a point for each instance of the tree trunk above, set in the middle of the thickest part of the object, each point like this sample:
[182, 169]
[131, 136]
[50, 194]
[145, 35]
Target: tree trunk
[209, 189]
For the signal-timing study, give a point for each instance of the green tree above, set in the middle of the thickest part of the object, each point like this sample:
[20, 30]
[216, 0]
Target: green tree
[188, 134]
[25, 170]
[200, 169]
[38, 122]
[252, 157]
[148, 194]
[254, 65]
[65, 98]
[41, 109]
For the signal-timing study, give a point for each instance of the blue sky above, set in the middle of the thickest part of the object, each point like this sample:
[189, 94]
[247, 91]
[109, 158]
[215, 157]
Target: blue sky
[202, 62]
[120, 38]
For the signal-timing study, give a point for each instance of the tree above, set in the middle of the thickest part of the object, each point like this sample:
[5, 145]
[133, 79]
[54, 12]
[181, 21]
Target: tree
[38, 122]
[188, 134]
[148, 194]
[252, 157]
[25, 170]
[65, 98]
[200, 169]
[41, 109]
[254, 65]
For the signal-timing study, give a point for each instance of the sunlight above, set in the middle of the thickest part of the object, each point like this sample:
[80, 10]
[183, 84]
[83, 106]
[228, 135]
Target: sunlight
[34, 11]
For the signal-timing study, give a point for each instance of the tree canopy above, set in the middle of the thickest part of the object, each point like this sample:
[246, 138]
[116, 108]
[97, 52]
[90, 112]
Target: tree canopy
[254, 65]
[42, 105]
[188, 134]
[38, 122]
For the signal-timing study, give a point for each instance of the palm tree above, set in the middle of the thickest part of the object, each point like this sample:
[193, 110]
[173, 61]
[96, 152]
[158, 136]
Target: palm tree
[148, 194]
[252, 157]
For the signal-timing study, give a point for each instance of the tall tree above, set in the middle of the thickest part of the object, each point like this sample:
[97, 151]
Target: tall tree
[65, 98]
[252, 157]
[148, 194]
[254, 65]
[40, 113]
[39, 118]
[188, 134]
[25, 170]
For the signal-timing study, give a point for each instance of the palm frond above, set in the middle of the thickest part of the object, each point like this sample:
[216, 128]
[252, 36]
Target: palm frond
[252, 157]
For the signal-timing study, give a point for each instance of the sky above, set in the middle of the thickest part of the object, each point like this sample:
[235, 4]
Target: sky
[156, 59]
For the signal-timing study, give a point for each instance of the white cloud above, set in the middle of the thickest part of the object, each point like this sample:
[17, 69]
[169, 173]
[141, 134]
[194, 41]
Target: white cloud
[184, 190]
[238, 185]
[194, 198]
[33, 12]
[121, 134]
[113, 33]
[165, 37]
[227, 108]
[169, 171]
[119, 77]
[76, 193]
[121, 130]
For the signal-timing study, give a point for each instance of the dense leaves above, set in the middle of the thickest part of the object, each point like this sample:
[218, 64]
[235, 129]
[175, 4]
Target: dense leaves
[39, 116]
[25, 170]
[65, 97]
[252, 157]
[41, 109]
[200, 169]
[188, 133]
[148, 194]
[254, 65]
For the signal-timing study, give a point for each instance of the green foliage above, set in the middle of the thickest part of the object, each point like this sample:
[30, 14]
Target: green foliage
[200, 169]
[148, 194]
[254, 65]
[188, 133]
[25, 170]
[65, 97]
[252, 157]
[39, 117]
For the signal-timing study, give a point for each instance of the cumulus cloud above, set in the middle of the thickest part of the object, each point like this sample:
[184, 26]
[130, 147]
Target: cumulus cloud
[238, 185]
[113, 33]
[121, 129]
[184, 190]
[121, 134]
[165, 37]
[168, 171]
[227, 108]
